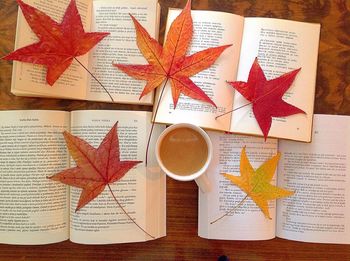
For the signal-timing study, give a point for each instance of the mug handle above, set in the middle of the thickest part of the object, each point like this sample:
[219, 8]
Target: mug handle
[203, 183]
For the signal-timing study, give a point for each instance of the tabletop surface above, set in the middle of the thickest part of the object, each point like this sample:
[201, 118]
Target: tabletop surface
[182, 242]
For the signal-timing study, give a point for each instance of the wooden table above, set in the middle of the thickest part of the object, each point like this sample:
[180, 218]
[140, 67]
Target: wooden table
[182, 242]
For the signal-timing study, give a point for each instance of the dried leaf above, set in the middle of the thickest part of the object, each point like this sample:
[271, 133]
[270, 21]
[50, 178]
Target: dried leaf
[170, 62]
[256, 183]
[266, 95]
[96, 168]
[58, 43]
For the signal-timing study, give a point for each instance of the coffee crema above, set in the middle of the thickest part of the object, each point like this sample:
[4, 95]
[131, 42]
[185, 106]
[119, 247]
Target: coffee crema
[183, 151]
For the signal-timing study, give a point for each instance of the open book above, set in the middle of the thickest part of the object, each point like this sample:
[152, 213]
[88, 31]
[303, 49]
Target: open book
[120, 46]
[317, 172]
[36, 210]
[280, 45]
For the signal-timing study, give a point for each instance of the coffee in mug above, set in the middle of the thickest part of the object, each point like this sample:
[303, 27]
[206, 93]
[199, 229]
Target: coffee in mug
[184, 152]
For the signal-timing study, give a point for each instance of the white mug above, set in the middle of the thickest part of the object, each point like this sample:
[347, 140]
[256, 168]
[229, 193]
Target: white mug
[200, 175]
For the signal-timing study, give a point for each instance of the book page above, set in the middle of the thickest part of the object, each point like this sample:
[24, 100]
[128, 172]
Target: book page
[281, 46]
[211, 29]
[102, 221]
[120, 47]
[319, 174]
[33, 209]
[30, 79]
[247, 222]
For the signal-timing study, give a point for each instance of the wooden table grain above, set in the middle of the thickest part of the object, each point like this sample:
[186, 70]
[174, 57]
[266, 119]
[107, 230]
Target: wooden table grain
[182, 242]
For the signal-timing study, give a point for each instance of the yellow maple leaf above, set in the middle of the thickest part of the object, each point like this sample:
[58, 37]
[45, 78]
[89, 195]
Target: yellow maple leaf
[256, 183]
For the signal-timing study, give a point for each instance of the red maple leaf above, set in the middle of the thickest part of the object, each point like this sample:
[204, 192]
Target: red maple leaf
[58, 43]
[170, 62]
[96, 168]
[266, 95]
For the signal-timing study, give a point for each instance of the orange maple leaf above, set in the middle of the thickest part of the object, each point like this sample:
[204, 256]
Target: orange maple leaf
[59, 43]
[96, 168]
[170, 62]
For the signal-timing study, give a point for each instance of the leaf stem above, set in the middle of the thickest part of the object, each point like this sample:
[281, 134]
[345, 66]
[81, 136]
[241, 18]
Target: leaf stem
[240, 107]
[126, 213]
[230, 211]
[154, 119]
[93, 76]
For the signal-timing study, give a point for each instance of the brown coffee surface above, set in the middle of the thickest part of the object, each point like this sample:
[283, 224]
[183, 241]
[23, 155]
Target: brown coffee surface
[183, 151]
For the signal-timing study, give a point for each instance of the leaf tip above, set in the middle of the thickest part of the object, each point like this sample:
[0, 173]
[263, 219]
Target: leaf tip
[213, 103]
[278, 155]
[227, 46]
[266, 132]
[188, 5]
[226, 175]
[115, 127]
[118, 66]
[141, 95]
[6, 57]
[65, 133]
[50, 80]
[20, 3]
[134, 19]
[232, 84]
[79, 206]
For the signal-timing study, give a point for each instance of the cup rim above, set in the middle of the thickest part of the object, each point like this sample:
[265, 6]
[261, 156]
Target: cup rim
[194, 175]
